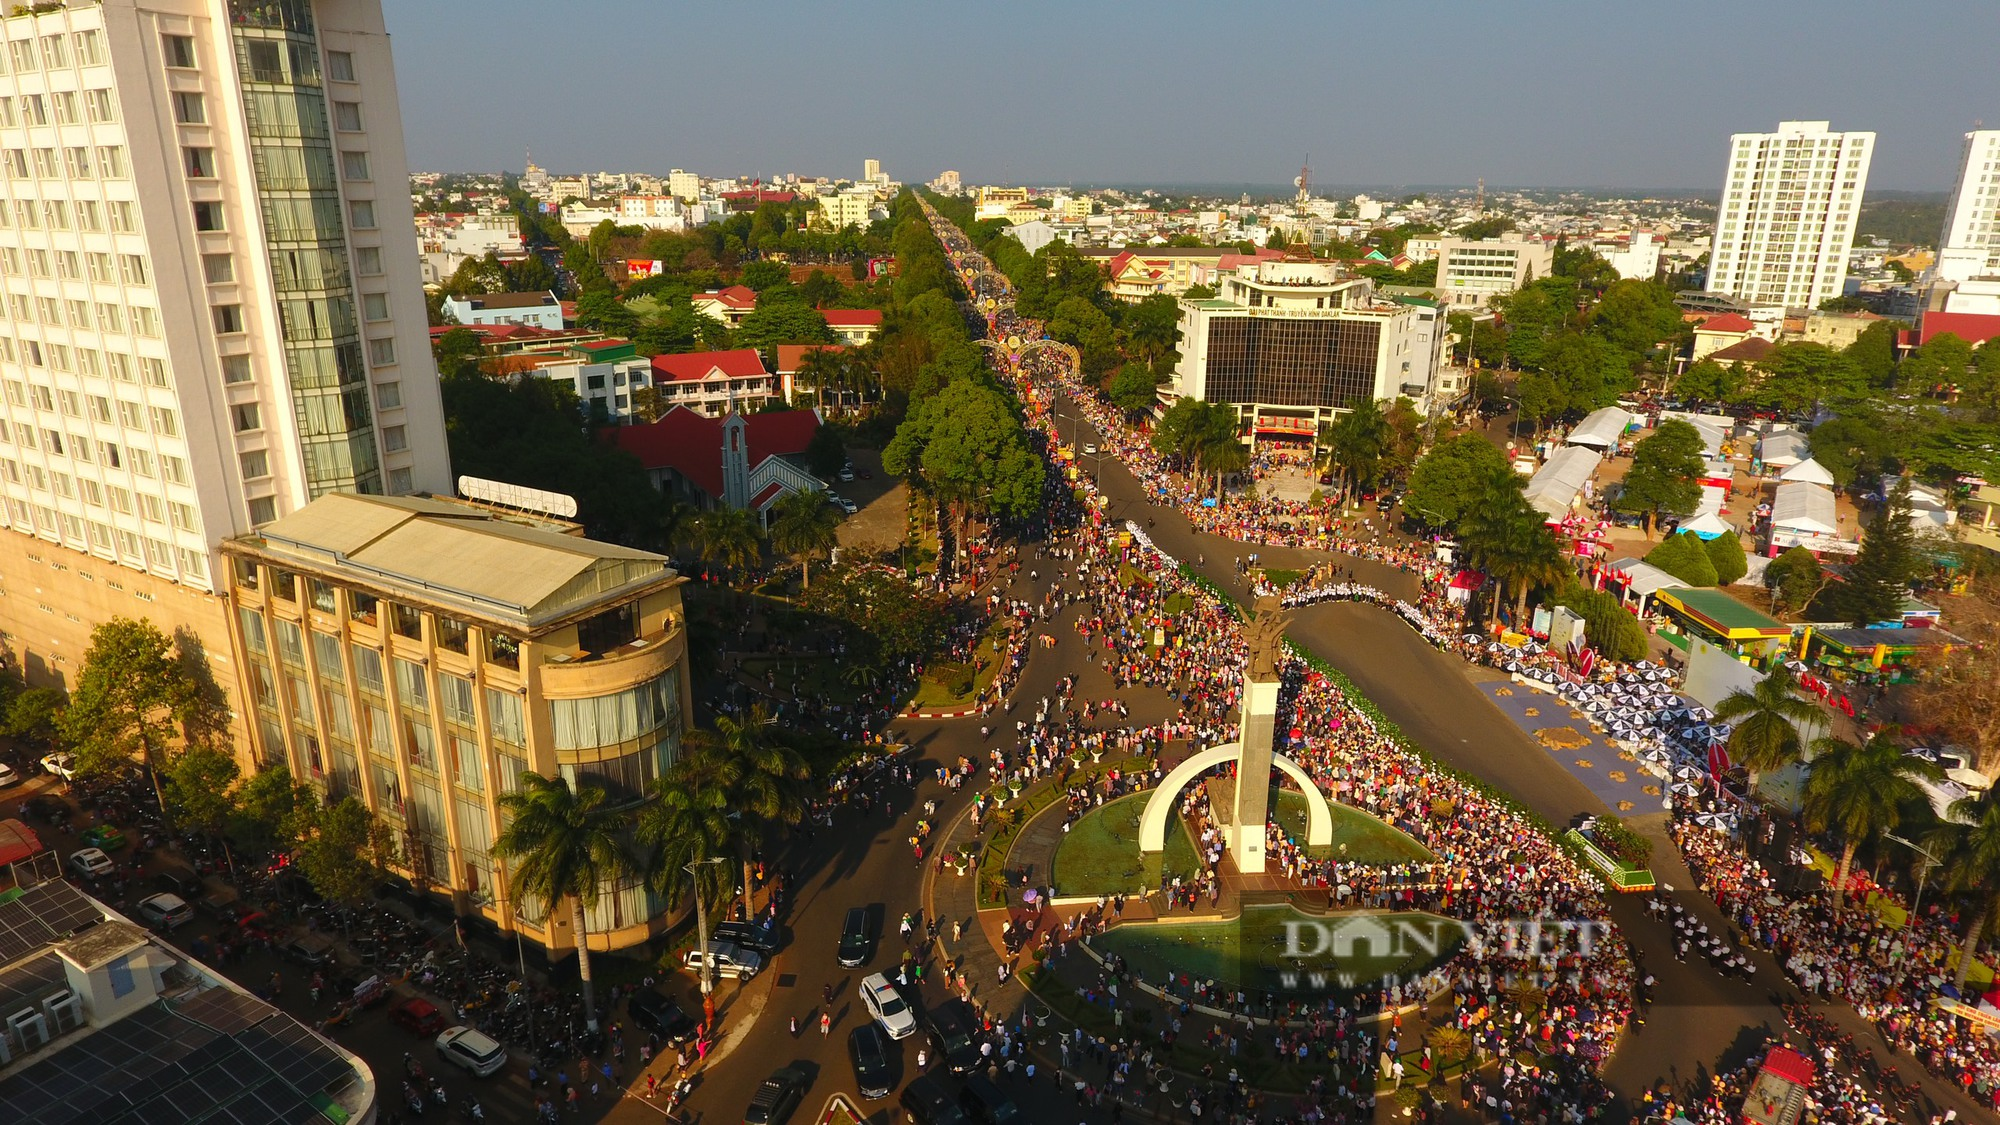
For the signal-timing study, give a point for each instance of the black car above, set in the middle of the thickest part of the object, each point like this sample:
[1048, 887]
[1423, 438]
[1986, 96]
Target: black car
[950, 1025]
[927, 1104]
[749, 935]
[856, 939]
[869, 1050]
[986, 1103]
[775, 1100]
[654, 1011]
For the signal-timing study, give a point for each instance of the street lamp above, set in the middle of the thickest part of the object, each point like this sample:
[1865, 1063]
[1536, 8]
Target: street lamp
[1923, 869]
[705, 971]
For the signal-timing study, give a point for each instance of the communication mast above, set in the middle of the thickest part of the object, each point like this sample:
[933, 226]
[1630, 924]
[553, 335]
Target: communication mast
[1479, 200]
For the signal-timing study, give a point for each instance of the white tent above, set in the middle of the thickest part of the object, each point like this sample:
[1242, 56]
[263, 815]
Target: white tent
[1555, 485]
[1602, 428]
[1781, 449]
[1708, 525]
[1803, 508]
[1807, 471]
[1643, 579]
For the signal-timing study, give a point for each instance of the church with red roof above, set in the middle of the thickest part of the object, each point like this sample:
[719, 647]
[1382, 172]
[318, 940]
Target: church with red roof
[742, 460]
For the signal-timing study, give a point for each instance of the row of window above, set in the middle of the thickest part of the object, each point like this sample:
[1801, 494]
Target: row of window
[144, 505]
[75, 162]
[60, 107]
[54, 52]
[102, 316]
[90, 216]
[134, 550]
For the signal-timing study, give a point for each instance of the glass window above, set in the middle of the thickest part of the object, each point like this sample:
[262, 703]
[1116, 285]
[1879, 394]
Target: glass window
[363, 213]
[503, 716]
[236, 369]
[367, 669]
[326, 654]
[361, 607]
[291, 643]
[218, 269]
[253, 624]
[189, 109]
[354, 165]
[340, 66]
[452, 633]
[582, 724]
[503, 650]
[347, 116]
[179, 51]
[321, 592]
[407, 620]
[413, 684]
[256, 465]
[368, 260]
[200, 163]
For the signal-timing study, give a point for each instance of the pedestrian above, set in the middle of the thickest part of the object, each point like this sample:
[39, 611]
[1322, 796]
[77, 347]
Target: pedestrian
[923, 1059]
[652, 1086]
[825, 1023]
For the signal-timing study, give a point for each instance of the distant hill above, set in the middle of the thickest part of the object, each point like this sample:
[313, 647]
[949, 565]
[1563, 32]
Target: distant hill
[1903, 218]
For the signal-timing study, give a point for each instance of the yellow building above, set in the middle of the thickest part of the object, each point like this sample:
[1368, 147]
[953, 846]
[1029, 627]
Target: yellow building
[421, 654]
[845, 209]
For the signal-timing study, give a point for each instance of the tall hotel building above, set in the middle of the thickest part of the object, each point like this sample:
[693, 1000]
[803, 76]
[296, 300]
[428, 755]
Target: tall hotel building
[1969, 247]
[1790, 200]
[211, 313]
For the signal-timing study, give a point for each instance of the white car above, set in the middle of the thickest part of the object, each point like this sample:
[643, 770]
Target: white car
[472, 1049]
[842, 502]
[887, 1006]
[166, 912]
[1090, 449]
[90, 862]
[728, 958]
[9, 776]
[62, 765]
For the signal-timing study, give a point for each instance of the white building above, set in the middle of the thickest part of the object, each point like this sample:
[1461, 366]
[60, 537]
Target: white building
[1636, 258]
[1422, 249]
[446, 241]
[1471, 273]
[1790, 200]
[1291, 345]
[654, 212]
[684, 186]
[534, 310]
[1969, 247]
[848, 208]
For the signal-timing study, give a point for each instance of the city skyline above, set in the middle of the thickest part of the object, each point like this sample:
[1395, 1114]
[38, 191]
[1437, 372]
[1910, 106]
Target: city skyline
[1540, 96]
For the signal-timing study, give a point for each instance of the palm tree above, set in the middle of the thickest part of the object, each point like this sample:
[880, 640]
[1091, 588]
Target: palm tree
[1859, 791]
[804, 526]
[687, 829]
[823, 368]
[1222, 454]
[1354, 444]
[567, 843]
[1506, 537]
[1772, 712]
[1967, 845]
[723, 537]
[763, 776]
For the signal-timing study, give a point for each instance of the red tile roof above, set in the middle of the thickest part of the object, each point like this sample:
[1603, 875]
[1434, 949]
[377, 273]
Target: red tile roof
[690, 443]
[1727, 322]
[793, 356]
[851, 318]
[1973, 328]
[737, 363]
[1744, 351]
[734, 296]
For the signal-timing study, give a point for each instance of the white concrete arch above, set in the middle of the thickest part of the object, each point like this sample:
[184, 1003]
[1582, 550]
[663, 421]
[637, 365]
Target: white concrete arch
[1153, 822]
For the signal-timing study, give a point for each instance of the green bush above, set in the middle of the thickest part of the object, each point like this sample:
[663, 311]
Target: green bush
[1615, 633]
[1685, 557]
[1726, 553]
[955, 678]
[1620, 842]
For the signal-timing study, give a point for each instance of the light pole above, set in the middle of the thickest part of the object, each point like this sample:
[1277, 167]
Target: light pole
[705, 972]
[1923, 869]
[521, 955]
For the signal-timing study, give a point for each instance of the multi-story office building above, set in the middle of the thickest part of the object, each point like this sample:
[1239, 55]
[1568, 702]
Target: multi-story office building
[421, 654]
[1291, 345]
[1969, 247]
[684, 186]
[1790, 200]
[1473, 272]
[212, 311]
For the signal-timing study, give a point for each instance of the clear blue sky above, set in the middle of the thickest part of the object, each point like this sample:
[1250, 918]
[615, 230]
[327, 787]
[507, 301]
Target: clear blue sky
[1611, 93]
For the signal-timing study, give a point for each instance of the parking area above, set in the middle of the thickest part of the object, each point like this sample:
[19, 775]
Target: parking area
[879, 524]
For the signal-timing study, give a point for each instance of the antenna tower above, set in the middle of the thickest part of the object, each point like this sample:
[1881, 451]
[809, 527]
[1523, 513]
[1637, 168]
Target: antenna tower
[1479, 200]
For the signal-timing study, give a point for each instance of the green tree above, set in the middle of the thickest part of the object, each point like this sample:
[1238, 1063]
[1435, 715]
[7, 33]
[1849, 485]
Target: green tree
[1447, 479]
[970, 452]
[1590, 372]
[900, 622]
[1665, 478]
[1480, 341]
[1685, 557]
[457, 352]
[1153, 326]
[766, 782]
[530, 275]
[1405, 439]
[197, 785]
[1080, 322]
[1135, 388]
[602, 310]
[1768, 718]
[1616, 634]
[1540, 398]
[136, 691]
[35, 717]
[1794, 579]
[1853, 446]
[564, 844]
[1536, 314]
[1726, 553]
[1709, 381]
[1858, 792]
[1873, 353]
[783, 322]
[1637, 316]
[1799, 377]
[474, 276]
[1937, 366]
[345, 851]
[804, 525]
[689, 836]
[1878, 582]
[1967, 844]
[723, 537]
[764, 276]
[1354, 444]
[266, 815]
[1505, 536]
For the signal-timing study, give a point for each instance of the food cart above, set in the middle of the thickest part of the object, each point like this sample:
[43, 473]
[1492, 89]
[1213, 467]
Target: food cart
[1778, 1094]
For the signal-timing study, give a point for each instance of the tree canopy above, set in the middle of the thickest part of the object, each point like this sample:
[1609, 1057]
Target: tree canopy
[1665, 477]
[1447, 479]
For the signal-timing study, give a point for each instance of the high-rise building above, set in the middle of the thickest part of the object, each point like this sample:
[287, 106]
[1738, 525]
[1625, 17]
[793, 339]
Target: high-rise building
[1472, 272]
[1790, 200]
[1969, 247]
[871, 171]
[212, 309]
[684, 186]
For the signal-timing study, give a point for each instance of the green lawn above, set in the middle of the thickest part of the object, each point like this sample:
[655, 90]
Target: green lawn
[1100, 853]
[1254, 952]
[1357, 836]
[933, 696]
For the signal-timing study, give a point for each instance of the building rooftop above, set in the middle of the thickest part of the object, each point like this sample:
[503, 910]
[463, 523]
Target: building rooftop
[192, 1048]
[510, 300]
[444, 553]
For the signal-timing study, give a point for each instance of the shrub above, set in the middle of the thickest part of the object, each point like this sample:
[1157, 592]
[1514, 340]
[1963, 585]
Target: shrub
[1685, 557]
[1726, 553]
[955, 678]
[1620, 842]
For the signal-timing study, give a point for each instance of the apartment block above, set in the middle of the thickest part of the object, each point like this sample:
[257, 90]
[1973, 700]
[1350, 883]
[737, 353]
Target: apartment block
[1790, 201]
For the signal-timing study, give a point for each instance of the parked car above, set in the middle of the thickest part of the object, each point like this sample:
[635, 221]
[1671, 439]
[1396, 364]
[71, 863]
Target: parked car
[868, 1049]
[165, 912]
[726, 959]
[842, 502]
[177, 880]
[104, 836]
[950, 1025]
[418, 1017]
[9, 776]
[847, 474]
[856, 939]
[927, 1104]
[986, 1103]
[777, 1096]
[62, 765]
[656, 1012]
[888, 1006]
[313, 950]
[90, 863]
[472, 1049]
[749, 935]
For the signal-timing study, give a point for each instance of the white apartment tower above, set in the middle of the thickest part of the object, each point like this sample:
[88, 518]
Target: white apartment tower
[1790, 200]
[212, 308]
[1969, 247]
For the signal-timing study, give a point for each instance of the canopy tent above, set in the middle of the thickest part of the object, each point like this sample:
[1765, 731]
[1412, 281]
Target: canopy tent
[1602, 428]
[1805, 508]
[1556, 484]
[1781, 449]
[1808, 471]
[1643, 579]
[1708, 525]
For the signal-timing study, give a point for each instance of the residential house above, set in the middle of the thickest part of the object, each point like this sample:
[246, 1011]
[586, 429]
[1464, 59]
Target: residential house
[854, 326]
[536, 310]
[712, 383]
[728, 305]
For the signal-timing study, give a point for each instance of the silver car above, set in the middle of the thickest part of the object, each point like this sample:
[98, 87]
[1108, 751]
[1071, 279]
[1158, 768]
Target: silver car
[728, 960]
